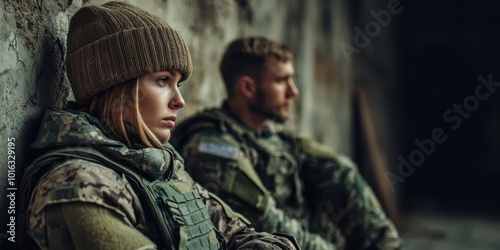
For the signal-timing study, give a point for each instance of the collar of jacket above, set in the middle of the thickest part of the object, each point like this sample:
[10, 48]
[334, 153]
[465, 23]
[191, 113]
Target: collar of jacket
[269, 128]
[70, 128]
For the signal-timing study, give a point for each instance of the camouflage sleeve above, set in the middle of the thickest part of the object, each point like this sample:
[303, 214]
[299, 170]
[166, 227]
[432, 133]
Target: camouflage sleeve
[77, 182]
[352, 205]
[213, 160]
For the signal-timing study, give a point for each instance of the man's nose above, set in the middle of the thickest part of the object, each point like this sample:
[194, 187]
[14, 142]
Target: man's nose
[292, 89]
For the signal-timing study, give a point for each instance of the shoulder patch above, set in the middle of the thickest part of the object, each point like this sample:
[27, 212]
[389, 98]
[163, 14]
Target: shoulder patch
[218, 149]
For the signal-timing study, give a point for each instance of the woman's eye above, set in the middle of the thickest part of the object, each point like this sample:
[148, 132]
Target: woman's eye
[179, 85]
[162, 80]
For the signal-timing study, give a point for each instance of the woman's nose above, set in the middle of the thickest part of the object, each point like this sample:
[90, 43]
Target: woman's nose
[177, 102]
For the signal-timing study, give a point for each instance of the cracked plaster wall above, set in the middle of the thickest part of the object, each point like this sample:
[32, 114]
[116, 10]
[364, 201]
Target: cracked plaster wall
[33, 45]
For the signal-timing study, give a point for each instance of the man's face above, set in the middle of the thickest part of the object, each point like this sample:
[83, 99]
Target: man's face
[275, 91]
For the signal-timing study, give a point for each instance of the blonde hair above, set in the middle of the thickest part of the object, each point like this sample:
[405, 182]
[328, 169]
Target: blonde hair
[115, 105]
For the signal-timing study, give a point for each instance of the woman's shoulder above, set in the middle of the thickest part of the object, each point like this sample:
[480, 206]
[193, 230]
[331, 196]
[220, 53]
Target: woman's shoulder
[79, 170]
[77, 180]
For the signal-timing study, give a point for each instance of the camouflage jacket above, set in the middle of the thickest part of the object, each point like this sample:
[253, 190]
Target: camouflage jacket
[283, 182]
[76, 178]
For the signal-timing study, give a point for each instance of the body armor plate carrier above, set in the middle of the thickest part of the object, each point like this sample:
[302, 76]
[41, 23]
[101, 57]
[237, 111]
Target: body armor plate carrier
[177, 208]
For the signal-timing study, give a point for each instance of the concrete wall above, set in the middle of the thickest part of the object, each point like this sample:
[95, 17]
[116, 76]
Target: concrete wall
[32, 49]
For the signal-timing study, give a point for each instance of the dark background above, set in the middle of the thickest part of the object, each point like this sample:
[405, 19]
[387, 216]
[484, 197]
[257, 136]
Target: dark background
[423, 63]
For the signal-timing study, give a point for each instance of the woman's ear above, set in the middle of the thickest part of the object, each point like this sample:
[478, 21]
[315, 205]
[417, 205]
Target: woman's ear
[246, 86]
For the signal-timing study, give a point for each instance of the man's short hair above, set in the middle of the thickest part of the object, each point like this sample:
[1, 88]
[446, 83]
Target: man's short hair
[248, 56]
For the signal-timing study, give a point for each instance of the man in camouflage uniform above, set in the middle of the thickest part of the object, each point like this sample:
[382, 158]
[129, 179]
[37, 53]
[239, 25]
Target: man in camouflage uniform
[278, 180]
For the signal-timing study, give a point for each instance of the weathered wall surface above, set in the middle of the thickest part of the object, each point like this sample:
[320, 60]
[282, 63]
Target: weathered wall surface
[32, 49]
[32, 46]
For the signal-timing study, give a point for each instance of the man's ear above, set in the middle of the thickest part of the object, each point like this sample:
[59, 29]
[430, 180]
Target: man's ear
[246, 86]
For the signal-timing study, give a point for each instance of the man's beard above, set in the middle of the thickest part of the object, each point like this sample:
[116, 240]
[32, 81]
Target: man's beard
[259, 107]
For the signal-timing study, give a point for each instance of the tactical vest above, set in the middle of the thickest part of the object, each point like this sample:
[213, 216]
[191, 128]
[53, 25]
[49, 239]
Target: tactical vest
[271, 158]
[180, 214]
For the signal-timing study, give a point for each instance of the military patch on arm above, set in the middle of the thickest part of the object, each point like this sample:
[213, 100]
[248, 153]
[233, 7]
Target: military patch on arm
[218, 149]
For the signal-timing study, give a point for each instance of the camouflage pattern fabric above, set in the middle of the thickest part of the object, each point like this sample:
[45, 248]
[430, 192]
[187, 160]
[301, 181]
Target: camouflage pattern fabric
[313, 194]
[76, 180]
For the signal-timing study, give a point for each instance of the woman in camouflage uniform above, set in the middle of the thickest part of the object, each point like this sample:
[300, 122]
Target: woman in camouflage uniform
[107, 177]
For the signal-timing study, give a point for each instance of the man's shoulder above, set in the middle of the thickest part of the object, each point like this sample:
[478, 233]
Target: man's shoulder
[211, 122]
[203, 120]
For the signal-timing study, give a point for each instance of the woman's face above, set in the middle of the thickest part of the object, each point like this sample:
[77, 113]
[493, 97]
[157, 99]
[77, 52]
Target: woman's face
[159, 100]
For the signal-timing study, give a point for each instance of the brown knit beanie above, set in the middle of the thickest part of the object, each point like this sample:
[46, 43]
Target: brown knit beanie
[115, 42]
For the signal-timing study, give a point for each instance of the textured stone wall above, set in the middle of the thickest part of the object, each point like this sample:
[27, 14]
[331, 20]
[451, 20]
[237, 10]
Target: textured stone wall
[32, 49]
